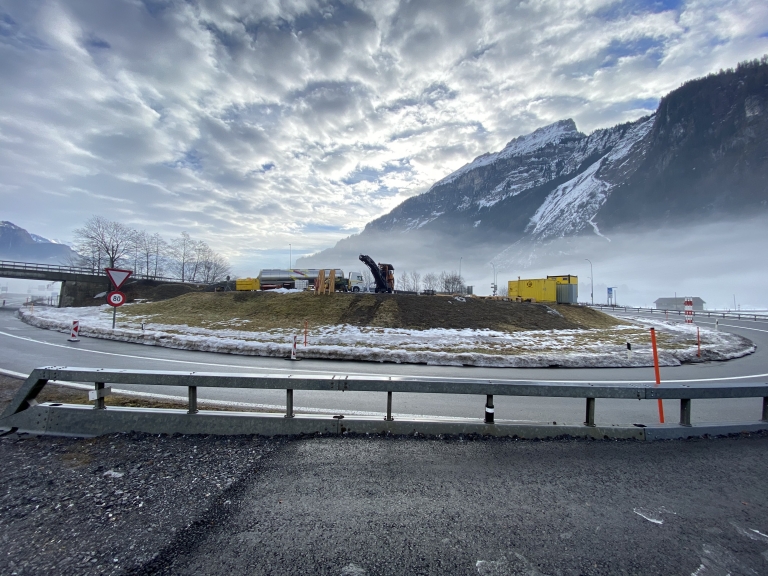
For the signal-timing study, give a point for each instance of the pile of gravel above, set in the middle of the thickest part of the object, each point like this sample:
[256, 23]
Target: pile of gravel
[110, 504]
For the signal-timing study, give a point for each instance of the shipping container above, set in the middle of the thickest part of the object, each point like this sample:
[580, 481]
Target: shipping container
[247, 284]
[567, 293]
[538, 289]
[565, 279]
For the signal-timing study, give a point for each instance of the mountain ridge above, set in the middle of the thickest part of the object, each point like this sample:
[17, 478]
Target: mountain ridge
[19, 245]
[700, 155]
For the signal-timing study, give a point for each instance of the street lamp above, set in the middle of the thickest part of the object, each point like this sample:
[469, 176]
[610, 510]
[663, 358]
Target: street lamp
[460, 259]
[591, 281]
[290, 256]
[494, 278]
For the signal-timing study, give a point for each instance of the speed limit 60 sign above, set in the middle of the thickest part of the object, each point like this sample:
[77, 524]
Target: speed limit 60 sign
[115, 298]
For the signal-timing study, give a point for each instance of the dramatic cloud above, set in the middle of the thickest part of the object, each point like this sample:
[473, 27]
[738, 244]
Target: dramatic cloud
[253, 125]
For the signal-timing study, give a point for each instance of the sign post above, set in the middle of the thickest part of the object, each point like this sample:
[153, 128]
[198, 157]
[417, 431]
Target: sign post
[116, 298]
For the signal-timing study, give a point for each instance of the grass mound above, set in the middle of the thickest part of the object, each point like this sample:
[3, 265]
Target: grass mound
[266, 310]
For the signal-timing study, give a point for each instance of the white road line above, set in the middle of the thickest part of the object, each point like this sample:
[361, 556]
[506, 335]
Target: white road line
[431, 378]
[724, 325]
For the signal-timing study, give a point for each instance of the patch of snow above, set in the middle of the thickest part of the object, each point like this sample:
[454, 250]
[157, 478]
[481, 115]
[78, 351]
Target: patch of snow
[539, 138]
[572, 205]
[436, 346]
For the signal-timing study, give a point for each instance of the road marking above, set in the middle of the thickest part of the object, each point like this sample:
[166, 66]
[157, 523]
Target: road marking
[430, 378]
[713, 324]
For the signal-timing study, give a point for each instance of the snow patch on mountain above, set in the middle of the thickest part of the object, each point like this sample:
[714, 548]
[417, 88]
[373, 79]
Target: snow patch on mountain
[520, 146]
[571, 207]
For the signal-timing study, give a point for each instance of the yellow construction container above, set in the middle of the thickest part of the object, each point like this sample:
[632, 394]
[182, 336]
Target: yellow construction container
[564, 279]
[247, 284]
[538, 289]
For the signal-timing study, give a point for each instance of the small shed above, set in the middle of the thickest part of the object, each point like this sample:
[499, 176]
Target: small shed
[678, 303]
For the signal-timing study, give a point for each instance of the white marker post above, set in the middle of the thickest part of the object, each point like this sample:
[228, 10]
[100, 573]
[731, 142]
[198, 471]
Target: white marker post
[73, 335]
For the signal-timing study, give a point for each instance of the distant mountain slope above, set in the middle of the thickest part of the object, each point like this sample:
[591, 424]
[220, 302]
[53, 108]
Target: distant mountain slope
[18, 244]
[702, 156]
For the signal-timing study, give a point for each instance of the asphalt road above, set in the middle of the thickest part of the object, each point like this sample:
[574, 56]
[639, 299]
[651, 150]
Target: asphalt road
[403, 506]
[25, 348]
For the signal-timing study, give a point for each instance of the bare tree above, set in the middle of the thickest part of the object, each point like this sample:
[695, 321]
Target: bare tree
[431, 281]
[415, 281]
[404, 282]
[451, 282]
[103, 243]
[151, 251]
[503, 290]
[211, 266]
[183, 257]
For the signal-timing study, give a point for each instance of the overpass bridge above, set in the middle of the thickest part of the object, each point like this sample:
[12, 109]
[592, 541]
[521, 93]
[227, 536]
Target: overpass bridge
[56, 273]
[76, 282]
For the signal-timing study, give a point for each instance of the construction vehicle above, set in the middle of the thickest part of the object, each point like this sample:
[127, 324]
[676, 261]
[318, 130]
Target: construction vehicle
[383, 274]
[270, 279]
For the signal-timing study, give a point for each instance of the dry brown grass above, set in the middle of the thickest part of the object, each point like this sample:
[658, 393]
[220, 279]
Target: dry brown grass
[266, 311]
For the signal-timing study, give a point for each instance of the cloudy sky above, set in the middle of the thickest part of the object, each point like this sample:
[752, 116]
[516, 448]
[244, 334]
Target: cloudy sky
[255, 124]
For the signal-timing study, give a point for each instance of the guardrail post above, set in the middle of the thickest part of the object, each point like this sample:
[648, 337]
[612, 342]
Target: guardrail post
[289, 403]
[389, 407]
[590, 419]
[489, 409]
[685, 411]
[100, 405]
[192, 400]
[765, 409]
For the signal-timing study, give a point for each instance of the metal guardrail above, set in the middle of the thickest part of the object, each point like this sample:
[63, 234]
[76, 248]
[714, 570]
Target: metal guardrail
[23, 410]
[703, 313]
[54, 268]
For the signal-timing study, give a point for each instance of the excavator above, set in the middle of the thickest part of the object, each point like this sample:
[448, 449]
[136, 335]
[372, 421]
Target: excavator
[384, 274]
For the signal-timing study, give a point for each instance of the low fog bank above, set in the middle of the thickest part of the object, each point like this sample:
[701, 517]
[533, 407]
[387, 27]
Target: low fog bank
[713, 261]
[415, 251]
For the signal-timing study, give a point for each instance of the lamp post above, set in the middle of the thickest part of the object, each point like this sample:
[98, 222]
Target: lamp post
[494, 278]
[462, 257]
[290, 256]
[591, 281]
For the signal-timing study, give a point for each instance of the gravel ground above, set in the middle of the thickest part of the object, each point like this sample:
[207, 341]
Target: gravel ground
[108, 505]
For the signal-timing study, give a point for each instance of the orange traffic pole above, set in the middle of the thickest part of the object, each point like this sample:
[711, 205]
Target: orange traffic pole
[698, 339]
[658, 374]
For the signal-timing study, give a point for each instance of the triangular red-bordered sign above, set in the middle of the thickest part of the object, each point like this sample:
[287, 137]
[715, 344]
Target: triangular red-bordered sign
[118, 276]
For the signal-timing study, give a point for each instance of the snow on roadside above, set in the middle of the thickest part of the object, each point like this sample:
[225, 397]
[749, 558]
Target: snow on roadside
[528, 349]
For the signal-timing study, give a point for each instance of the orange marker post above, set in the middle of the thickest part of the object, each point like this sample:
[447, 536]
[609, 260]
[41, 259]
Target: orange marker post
[698, 339]
[658, 374]
[305, 332]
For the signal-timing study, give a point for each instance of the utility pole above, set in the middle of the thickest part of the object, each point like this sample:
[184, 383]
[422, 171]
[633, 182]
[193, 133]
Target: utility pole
[592, 282]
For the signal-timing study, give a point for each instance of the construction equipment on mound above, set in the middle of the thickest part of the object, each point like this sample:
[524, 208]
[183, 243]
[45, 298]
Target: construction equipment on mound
[383, 274]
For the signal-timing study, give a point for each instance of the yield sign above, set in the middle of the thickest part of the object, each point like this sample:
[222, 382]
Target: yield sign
[118, 276]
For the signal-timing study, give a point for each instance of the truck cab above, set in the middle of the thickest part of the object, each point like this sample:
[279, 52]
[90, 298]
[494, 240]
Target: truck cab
[356, 282]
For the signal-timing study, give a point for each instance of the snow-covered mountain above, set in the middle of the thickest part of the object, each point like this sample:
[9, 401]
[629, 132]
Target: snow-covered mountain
[18, 244]
[701, 156]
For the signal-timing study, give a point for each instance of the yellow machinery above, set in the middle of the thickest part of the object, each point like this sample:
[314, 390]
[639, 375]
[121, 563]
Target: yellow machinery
[536, 289]
[247, 284]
